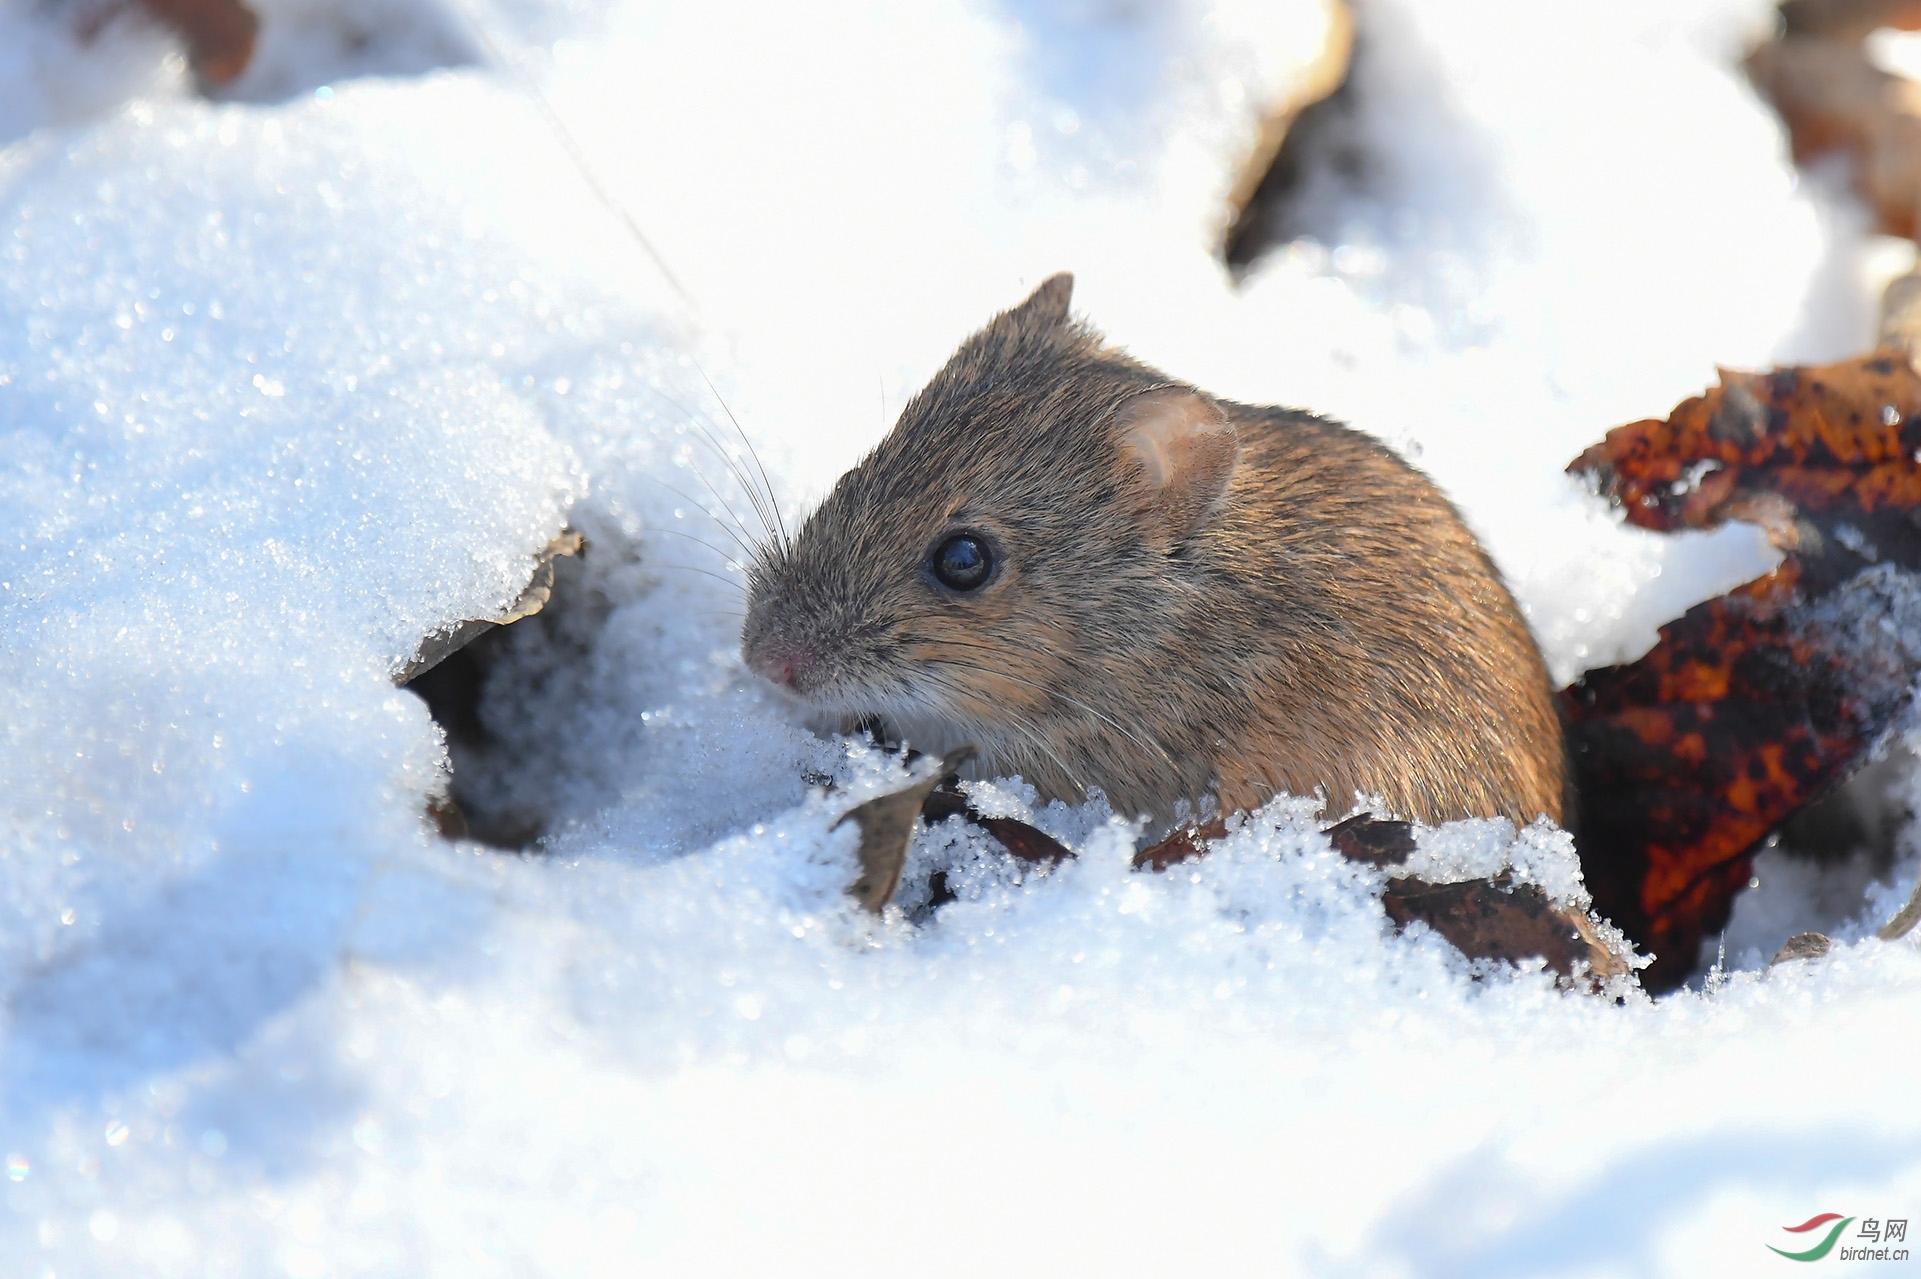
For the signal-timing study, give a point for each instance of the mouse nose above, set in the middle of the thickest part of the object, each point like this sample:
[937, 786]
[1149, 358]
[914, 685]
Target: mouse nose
[782, 664]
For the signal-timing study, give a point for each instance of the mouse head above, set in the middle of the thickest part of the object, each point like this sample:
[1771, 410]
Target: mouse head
[1016, 545]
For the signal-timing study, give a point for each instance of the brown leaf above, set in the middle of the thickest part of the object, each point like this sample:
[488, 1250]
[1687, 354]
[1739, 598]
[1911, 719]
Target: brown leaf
[1686, 759]
[1502, 920]
[1482, 919]
[1833, 98]
[219, 35]
[1848, 19]
[1904, 919]
[1828, 444]
[1318, 80]
[1027, 843]
[1750, 707]
[1802, 946]
[1364, 839]
[1180, 845]
[439, 646]
[887, 827]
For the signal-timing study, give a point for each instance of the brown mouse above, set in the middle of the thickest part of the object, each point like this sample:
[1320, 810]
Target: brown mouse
[1107, 578]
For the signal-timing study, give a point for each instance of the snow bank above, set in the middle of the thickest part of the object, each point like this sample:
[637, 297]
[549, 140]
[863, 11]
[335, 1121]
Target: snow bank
[51, 75]
[283, 388]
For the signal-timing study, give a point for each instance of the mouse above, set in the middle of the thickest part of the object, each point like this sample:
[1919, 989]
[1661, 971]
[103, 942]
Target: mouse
[1108, 580]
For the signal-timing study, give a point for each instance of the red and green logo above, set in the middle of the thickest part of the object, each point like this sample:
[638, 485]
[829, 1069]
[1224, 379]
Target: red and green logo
[1826, 1245]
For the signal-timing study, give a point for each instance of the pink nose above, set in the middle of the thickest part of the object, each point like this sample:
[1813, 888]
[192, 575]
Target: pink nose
[784, 666]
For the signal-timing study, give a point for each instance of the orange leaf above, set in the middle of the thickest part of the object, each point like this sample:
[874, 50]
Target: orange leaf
[1745, 711]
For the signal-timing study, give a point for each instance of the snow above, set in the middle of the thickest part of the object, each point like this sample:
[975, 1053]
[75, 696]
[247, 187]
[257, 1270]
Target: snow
[290, 381]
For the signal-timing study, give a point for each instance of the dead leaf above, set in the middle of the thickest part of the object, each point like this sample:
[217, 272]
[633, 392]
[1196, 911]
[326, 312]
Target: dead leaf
[1026, 843]
[1904, 919]
[1499, 919]
[887, 827]
[439, 646]
[1756, 704]
[1483, 919]
[1833, 98]
[1686, 759]
[1317, 80]
[1366, 839]
[219, 35]
[1802, 946]
[1182, 844]
[1799, 451]
[1848, 19]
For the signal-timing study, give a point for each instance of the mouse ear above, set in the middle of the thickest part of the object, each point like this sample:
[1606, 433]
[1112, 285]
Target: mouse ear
[1048, 303]
[1185, 448]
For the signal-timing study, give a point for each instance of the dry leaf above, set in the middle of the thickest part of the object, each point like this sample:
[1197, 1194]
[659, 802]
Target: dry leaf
[1483, 919]
[1184, 843]
[887, 827]
[1498, 919]
[1315, 82]
[1755, 704]
[1024, 842]
[219, 35]
[1364, 839]
[1795, 450]
[439, 646]
[1848, 19]
[1833, 98]
[1802, 946]
[1904, 919]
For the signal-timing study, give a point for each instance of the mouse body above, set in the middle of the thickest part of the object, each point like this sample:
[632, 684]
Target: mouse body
[1106, 578]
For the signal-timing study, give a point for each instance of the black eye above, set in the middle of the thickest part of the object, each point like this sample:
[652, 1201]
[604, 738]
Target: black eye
[962, 562]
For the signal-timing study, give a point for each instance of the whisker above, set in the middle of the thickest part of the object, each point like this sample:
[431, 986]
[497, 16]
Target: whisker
[1030, 734]
[708, 485]
[726, 555]
[1109, 720]
[751, 452]
[689, 568]
[701, 422]
[740, 537]
[695, 418]
[1052, 692]
[760, 505]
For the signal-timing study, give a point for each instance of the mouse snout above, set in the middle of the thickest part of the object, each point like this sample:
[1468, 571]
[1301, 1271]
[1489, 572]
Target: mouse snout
[785, 664]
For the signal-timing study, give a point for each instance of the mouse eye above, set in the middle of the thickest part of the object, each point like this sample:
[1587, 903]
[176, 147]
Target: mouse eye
[962, 562]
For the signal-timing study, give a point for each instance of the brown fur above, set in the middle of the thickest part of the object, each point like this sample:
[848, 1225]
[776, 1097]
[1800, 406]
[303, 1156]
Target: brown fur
[1293, 607]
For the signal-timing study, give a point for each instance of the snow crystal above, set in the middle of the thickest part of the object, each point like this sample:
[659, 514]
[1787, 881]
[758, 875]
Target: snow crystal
[1539, 854]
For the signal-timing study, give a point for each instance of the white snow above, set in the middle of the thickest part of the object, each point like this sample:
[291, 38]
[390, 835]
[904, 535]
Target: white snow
[286, 385]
